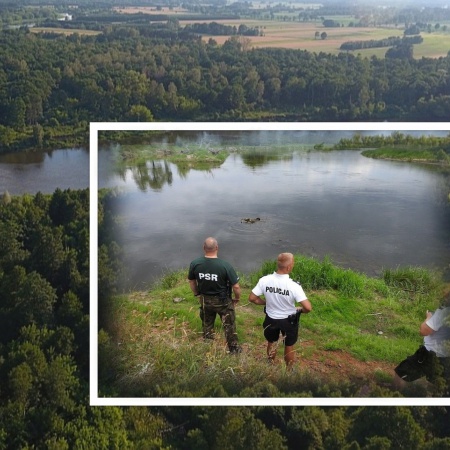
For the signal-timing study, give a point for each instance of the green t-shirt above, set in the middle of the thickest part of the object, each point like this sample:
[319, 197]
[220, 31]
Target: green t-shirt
[214, 276]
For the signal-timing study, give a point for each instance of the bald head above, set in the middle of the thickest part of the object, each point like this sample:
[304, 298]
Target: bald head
[210, 246]
[285, 262]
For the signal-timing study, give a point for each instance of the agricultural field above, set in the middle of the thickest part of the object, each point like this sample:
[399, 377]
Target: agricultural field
[284, 32]
[150, 10]
[64, 31]
[302, 36]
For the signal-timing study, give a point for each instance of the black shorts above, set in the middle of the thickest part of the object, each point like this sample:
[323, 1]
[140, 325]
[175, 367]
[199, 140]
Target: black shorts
[423, 363]
[273, 328]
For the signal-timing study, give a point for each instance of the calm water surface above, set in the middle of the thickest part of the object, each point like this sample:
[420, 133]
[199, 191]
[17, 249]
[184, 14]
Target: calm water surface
[364, 214]
[32, 172]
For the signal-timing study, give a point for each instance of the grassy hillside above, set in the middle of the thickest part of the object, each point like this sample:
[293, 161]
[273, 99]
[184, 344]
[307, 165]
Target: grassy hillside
[359, 329]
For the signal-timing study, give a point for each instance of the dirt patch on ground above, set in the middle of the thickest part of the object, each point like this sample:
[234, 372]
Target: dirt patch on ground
[332, 365]
[339, 365]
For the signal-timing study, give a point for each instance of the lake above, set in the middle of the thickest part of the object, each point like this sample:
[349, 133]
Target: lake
[32, 172]
[364, 214]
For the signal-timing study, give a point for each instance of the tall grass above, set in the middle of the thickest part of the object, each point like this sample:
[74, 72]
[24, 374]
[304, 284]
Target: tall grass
[415, 280]
[156, 348]
[313, 274]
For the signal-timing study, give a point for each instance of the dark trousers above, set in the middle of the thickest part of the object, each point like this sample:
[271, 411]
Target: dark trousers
[423, 363]
[212, 306]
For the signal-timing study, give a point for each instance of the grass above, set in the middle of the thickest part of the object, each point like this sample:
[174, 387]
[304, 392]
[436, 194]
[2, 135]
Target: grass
[411, 154]
[64, 31]
[434, 45]
[154, 346]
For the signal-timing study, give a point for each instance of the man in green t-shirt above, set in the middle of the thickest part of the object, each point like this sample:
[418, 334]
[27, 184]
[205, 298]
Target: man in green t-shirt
[211, 280]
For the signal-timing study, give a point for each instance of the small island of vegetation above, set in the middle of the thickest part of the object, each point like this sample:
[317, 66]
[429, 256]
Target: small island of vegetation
[397, 146]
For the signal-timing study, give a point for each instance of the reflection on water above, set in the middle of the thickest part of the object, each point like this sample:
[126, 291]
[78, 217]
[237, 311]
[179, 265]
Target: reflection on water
[153, 175]
[365, 214]
[24, 157]
[39, 171]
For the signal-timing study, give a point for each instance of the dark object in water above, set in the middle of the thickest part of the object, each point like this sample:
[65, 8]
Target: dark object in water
[249, 220]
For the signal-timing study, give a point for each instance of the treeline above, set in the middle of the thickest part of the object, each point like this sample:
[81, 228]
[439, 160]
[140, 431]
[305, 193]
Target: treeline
[387, 42]
[395, 139]
[44, 358]
[218, 29]
[53, 81]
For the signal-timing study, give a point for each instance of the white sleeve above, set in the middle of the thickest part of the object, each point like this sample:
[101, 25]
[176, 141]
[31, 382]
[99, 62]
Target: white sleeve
[258, 289]
[299, 294]
[437, 319]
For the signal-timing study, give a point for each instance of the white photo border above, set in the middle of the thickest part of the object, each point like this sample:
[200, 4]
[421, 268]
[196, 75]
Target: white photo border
[95, 127]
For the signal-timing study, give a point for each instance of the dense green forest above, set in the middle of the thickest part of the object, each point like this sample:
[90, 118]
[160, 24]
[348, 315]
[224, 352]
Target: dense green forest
[44, 358]
[53, 85]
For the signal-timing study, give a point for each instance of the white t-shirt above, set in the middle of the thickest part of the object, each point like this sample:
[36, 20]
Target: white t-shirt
[439, 341]
[281, 294]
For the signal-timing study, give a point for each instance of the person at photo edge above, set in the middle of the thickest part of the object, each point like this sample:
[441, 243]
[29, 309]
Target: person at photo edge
[432, 359]
[281, 294]
[212, 279]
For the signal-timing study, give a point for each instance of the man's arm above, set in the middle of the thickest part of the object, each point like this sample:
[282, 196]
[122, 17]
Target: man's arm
[306, 306]
[237, 292]
[193, 286]
[425, 329]
[256, 299]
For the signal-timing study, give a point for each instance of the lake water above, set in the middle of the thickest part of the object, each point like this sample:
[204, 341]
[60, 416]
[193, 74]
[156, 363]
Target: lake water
[32, 172]
[364, 214]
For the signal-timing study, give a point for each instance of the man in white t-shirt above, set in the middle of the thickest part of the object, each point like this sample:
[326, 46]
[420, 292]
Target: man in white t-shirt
[433, 357]
[281, 296]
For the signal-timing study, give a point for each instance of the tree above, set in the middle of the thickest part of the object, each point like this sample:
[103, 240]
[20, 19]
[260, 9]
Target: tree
[38, 135]
[246, 43]
[308, 426]
[26, 299]
[145, 429]
[403, 51]
[394, 423]
[16, 116]
[140, 113]
[240, 430]
[323, 35]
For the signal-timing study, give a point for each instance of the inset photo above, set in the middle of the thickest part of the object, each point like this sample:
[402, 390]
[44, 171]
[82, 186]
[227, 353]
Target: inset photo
[263, 263]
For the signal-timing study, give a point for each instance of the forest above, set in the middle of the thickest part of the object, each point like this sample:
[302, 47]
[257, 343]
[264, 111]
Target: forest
[44, 358]
[53, 85]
